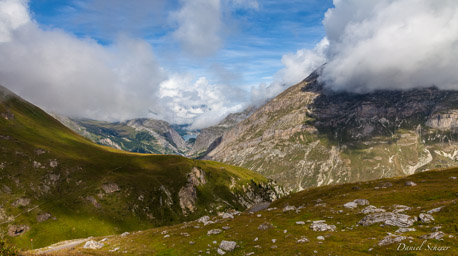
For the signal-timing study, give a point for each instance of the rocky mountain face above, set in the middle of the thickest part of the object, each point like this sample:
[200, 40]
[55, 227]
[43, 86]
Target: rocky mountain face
[56, 185]
[311, 136]
[142, 135]
[210, 137]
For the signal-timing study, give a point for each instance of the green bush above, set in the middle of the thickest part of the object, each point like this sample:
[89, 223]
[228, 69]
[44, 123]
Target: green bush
[7, 250]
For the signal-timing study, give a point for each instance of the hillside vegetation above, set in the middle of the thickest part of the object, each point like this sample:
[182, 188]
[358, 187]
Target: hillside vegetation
[56, 185]
[366, 218]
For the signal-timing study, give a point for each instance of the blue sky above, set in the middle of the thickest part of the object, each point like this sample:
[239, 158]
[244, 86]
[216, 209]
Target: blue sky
[195, 61]
[253, 39]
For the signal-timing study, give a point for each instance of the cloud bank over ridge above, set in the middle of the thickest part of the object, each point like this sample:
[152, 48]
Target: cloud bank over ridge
[391, 44]
[81, 78]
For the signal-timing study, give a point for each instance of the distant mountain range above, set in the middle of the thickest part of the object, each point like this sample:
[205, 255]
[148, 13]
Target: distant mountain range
[146, 135]
[311, 136]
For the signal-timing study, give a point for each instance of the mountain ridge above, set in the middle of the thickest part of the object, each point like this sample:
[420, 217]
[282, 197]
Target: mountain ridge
[298, 136]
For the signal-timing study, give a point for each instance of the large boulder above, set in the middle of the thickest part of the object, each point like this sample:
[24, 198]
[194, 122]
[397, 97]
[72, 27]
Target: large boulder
[388, 218]
[91, 244]
[320, 225]
[227, 246]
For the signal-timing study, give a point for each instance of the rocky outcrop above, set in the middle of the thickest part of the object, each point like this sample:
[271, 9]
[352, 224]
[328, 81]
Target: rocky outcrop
[320, 225]
[310, 136]
[94, 245]
[388, 218]
[110, 188]
[17, 230]
[188, 193]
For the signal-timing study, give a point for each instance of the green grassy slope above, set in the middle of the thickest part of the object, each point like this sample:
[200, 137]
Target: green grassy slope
[92, 190]
[434, 189]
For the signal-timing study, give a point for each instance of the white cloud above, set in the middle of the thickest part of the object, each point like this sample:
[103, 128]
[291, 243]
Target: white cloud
[199, 101]
[199, 26]
[301, 64]
[79, 77]
[297, 67]
[12, 15]
[391, 44]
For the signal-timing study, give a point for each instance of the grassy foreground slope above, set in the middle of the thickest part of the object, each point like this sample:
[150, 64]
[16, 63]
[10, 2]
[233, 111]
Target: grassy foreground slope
[285, 227]
[57, 185]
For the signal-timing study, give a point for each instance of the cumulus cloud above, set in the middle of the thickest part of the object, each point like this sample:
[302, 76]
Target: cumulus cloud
[201, 101]
[199, 32]
[302, 63]
[12, 15]
[391, 44]
[82, 78]
[297, 66]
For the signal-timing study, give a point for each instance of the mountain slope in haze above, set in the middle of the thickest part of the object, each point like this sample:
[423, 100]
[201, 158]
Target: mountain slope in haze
[389, 214]
[143, 135]
[310, 136]
[57, 185]
[210, 137]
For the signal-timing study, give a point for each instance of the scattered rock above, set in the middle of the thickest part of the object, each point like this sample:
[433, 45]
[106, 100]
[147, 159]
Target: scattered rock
[404, 230]
[220, 252]
[205, 220]
[320, 225]
[300, 223]
[438, 209]
[214, 231]
[21, 202]
[265, 225]
[289, 208]
[320, 237]
[390, 239]
[410, 183]
[400, 208]
[226, 227]
[426, 218]
[385, 184]
[435, 235]
[17, 230]
[227, 215]
[388, 218]
[93, 201]
[227, 246]
[361, 201]
[351, 205]
[436, 228]
[110, 188]
[53, 163]
[115, 249]
[453, 177]
[371, 209]
[91, 244]
[259, 207]
[302, 240]
[104, 240]
[126, 234]
[274, 240]
[43, 217]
